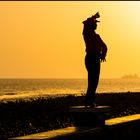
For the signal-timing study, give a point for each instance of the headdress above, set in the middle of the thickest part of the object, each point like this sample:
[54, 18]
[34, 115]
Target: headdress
[92, 19]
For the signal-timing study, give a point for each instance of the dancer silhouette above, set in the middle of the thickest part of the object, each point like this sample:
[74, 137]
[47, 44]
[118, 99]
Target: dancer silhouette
[96, 51]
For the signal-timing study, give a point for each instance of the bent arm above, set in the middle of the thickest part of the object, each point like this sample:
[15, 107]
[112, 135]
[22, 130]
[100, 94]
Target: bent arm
[103, 48]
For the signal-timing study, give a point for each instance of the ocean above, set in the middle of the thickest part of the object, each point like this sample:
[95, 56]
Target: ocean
[12, 88]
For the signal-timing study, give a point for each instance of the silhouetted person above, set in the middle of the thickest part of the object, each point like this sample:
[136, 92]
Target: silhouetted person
[96, 51]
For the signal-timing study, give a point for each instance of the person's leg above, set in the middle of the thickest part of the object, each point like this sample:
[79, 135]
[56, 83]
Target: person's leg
[93, 69]
[90, 95]
[96, 74]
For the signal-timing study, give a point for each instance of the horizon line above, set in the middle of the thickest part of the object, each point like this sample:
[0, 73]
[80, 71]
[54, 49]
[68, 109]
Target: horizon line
[54, 78]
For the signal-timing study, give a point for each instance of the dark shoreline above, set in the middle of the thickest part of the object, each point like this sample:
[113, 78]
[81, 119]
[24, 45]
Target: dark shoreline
[26, 116]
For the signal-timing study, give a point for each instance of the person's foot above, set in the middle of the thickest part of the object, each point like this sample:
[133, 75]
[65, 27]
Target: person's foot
[93, 105]
[90, 105]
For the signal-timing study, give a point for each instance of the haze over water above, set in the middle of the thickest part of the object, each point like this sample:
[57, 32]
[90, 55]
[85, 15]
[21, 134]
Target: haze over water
[11, 88]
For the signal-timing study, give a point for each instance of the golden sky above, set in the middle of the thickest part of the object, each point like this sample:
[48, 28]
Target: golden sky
[43, 39]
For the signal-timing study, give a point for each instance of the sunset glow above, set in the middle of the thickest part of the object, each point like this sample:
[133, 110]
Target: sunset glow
[44, 39]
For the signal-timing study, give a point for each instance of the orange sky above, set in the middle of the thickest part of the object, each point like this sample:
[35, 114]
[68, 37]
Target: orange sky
[43, 39]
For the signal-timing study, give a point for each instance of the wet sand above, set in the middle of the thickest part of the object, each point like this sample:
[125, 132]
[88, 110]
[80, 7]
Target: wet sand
[28, 115]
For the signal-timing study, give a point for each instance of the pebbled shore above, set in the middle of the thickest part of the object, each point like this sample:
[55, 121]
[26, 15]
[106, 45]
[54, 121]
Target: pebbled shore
[23, 116]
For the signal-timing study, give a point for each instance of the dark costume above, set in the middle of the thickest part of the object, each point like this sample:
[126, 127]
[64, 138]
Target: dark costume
[96, 51]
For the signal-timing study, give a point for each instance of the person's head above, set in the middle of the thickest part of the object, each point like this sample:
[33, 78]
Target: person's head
[91, 22]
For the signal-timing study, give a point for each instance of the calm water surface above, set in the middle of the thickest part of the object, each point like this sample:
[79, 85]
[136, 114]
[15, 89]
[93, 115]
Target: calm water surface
[10, 87]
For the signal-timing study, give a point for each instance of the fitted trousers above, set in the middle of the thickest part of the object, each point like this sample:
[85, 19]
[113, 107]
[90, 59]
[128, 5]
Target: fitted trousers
[92, 63]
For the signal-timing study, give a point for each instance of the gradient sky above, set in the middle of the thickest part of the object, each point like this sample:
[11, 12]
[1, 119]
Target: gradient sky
[43, 39]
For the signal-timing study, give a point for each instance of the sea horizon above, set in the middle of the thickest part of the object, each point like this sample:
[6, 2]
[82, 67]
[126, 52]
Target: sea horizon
[12, 88]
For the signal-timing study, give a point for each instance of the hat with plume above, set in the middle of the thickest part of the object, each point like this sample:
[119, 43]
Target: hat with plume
[92, 19]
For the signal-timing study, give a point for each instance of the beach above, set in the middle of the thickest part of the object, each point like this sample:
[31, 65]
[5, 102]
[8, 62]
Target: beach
[28, 115]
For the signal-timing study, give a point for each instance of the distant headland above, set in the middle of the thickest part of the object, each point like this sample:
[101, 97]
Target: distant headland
[130, 76]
